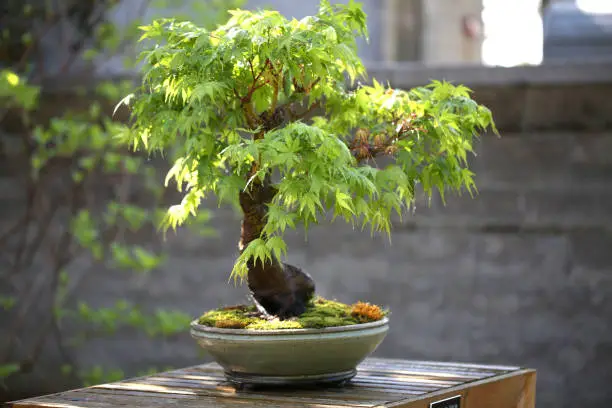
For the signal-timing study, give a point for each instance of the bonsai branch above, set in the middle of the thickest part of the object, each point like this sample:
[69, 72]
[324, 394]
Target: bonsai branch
[305, 113]
[250, 115]
[276, 85]
[255, 86]
[365, 147]
[304, 89]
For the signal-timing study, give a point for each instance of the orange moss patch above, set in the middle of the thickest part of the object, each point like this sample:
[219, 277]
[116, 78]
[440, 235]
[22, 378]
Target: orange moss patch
[366, 312]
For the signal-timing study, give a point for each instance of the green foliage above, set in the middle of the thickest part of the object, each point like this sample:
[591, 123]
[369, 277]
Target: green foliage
[232, 103]
[77, 150]
[7, 302]
[15, 91]
[123, 314]
[87, 139]
[94, 375]
[154, 370]
[8, 369]
[98, 375]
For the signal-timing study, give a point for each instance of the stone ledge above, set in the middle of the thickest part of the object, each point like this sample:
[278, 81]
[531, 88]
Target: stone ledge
[553, 96]
[407, 75]
[493, 226]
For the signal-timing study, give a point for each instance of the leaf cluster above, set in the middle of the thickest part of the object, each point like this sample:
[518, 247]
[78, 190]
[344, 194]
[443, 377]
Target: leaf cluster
[124, 314]
[233, 102]
[67, 158]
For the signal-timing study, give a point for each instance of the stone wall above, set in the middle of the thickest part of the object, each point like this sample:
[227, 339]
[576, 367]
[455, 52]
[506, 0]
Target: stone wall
[520, 275]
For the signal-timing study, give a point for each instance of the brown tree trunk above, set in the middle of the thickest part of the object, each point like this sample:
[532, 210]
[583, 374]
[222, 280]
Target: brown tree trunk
[281, 289]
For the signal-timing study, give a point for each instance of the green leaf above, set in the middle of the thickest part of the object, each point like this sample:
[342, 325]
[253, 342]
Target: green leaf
[11, 78]
[7, 302]
[167, 323]
[84, 229]
[8, 369]
[121, 256]
[276, 245]
[207, 89]
[344, 201]
[66, 369]
[146, 260]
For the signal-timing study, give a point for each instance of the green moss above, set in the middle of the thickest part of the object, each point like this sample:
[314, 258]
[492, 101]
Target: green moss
[319, 322]
[262, 324]
[319, 314]
[326, 313]
[225, 316]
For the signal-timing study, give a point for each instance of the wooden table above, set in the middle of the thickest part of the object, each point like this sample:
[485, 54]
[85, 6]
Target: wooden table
[379, 383]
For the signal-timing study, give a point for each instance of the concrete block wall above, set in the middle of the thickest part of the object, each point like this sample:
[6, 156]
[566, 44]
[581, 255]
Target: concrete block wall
[521, 275]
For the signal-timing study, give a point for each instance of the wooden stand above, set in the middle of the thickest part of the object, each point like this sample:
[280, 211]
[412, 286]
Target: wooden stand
[379, 383]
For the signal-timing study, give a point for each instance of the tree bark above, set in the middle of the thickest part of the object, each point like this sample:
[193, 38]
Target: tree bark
[281, 289]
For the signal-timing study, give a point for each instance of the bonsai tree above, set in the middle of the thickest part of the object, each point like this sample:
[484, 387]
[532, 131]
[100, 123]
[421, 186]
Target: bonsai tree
[265, 113]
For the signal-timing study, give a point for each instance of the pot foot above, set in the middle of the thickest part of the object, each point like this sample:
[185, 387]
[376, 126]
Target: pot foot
[243, 380]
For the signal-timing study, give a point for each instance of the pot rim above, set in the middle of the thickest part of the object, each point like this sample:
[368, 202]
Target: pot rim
[200, 328]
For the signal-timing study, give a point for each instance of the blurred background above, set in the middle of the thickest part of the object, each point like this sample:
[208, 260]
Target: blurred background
[520, 275]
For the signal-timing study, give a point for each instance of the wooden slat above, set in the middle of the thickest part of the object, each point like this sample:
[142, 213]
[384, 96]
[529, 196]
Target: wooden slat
[286, 397]
[384, 378]
[365, 382]
[454, 371]
[208, 386]
[394, 363]
[379, 383]
[461, 370]
[416, 376]
[375, 381]
[109, 399]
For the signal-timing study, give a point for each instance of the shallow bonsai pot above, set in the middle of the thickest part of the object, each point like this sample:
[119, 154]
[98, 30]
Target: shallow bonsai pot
[291, 356]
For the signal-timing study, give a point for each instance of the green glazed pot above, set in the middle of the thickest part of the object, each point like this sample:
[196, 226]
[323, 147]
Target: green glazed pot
[291, 356]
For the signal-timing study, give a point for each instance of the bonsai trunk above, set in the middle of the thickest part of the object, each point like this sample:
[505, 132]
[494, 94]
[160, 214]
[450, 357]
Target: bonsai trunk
[280, 289]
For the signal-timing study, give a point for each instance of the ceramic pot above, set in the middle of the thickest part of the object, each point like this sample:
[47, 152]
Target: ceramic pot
[291, 356]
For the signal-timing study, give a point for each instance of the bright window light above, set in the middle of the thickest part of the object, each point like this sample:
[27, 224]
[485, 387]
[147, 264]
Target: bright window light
[513, 33]
[595, 6]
